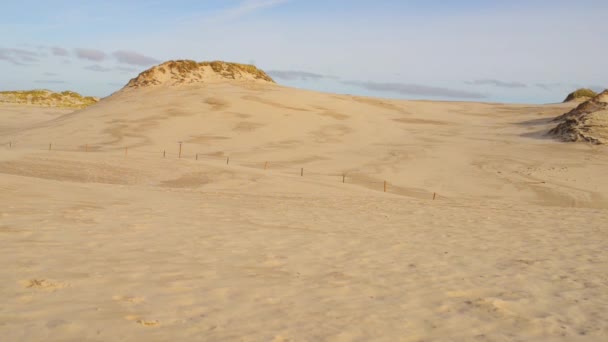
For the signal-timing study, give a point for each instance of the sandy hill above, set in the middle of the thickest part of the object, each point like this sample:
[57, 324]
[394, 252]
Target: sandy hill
[252, 248]
[587, 122]
[188, 71]
[580, 95]
[47, 98]
[416, 145]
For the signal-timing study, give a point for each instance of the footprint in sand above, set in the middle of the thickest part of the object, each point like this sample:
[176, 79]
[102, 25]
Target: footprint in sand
[148, 323]
[143, 322]
[43, 284]
[496, 307]
[129, 299]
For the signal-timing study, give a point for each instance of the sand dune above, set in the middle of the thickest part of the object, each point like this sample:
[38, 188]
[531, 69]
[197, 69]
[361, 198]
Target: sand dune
[414, 145]
[103, 238]
[587, 122]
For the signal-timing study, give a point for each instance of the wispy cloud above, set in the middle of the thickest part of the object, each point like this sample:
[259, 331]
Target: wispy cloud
[497, 83]
[50, 81]
[59, 51]
[548, 86]
[18, 56]
[97, 68]
[416, 90]
[290, 75]
[126, 69]
[49, 74]
[134, 58]
[231, 13]
[90, 54]
[248, 6]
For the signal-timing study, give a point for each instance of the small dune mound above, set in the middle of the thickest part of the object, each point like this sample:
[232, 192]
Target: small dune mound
[587, 122]
[47, 98]
[187, 72]
[580, 95]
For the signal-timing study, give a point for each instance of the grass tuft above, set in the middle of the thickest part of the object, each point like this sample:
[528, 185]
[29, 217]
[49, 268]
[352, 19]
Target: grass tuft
[580, 93]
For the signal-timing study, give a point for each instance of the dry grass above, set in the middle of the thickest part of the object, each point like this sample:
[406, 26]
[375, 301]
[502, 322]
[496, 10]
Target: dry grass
[579, 94]
[188, 71]
[231, 69]
[47, 98]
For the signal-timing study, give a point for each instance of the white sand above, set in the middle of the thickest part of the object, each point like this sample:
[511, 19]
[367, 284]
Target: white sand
[96, 246]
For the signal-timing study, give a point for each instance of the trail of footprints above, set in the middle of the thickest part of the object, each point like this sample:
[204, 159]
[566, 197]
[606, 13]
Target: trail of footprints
[131, 300]
[40, 284]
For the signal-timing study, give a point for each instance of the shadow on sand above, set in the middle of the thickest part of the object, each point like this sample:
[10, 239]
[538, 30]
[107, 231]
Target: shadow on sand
[541, 132]
[535, 122]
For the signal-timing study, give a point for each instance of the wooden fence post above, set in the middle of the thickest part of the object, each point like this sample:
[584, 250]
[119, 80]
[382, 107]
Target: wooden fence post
[50, 146]
[384, 186]
[343, 178]
[227, 160]
[265, 165]
[180, 150]
[302, 172]
[434, 195]
[10, 144]
[197, 156]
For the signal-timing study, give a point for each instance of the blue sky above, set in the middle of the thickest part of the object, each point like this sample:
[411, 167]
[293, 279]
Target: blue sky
[533, 51]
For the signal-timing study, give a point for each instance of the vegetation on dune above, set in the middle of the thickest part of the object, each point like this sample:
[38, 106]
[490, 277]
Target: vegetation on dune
[89, 100]
[580, 94]
[42, 97]
[183, 66]
[189, 71]
[231, 69]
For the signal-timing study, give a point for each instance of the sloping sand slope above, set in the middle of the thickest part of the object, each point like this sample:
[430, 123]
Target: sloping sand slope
[466, 150]
[99, 242]
[14, 117]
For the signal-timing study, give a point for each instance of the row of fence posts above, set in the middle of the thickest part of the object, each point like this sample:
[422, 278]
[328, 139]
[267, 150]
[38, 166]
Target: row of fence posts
[86, 148]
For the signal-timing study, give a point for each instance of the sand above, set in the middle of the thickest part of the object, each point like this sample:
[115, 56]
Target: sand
[114, 244]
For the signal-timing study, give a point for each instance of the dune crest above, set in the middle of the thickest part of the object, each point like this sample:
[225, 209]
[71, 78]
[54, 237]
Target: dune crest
[188, 71]
[587, 122]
